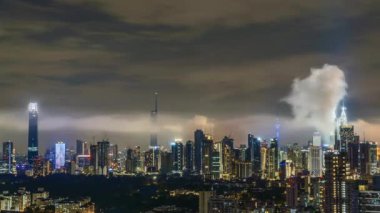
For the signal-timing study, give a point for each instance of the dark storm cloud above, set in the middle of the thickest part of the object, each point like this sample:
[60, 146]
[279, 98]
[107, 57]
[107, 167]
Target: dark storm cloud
[224, 59]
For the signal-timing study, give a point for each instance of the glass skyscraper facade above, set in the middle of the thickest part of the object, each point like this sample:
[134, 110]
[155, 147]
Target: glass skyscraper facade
[33, 132]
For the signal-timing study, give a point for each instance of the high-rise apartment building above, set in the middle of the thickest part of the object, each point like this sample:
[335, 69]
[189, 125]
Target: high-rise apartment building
[337, 198]
[189, 156]
[177, 156]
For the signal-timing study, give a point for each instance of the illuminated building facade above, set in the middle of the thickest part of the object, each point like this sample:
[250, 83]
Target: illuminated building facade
[9, 157]
[273, 164]
[337, 198]
[227, 157]
[33, 132]
[60, 151]
[264, 160]
[177, 156]
[287, 169]
[368, 159]
[369, 201]
[315, 161]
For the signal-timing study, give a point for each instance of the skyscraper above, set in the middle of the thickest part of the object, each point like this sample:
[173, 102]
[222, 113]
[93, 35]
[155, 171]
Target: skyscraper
[177, 155]
[347, 136]
[353, 155]
[153, 115]
[227, 157]
[207, 150]
[113, 154]
[368, 159]
[199, 137]
[33, 132]
[82, 148]
[341, 123]
[336, 187]
[94, 158]
[287, 169]
[103, 159]
[255, 152]
[189, 156]
[60, 150]
[273, 164]
[315, 161]
[9, 155]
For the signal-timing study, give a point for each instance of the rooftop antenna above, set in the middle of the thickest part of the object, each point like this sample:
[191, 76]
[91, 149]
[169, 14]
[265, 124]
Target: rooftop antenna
[156, 102]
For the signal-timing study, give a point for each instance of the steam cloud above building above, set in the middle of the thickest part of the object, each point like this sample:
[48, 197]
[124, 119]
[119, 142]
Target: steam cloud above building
[314, 99]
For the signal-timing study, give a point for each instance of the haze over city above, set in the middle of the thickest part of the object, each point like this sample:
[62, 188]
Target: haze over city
[94, 66]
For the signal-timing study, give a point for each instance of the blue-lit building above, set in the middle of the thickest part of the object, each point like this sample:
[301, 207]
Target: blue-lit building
[60, 151]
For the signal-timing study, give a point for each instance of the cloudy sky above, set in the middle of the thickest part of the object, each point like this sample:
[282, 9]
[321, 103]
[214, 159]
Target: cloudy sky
[220, 65]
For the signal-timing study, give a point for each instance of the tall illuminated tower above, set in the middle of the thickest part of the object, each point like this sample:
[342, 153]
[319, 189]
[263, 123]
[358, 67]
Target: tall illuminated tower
[153, 115]
[60, 151]
[33, 132]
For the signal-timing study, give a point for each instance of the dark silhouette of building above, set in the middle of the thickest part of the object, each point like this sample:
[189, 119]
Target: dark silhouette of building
[94, 158]
[368, 159]
[254, 148]
[292, 193]
[103, 159]
[189, 156]
[353, 154]
[199, 137]
[82, 147]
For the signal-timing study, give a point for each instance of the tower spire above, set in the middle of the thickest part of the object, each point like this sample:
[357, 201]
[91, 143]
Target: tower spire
[343, 115]
[156, 102]
[153, 114]
[278, 126]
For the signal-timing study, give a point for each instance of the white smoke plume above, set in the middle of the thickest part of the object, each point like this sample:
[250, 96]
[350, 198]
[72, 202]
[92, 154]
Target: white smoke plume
[314, 100]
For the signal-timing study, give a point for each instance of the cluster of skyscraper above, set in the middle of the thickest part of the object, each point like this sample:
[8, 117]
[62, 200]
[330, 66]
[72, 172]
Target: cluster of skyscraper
[209, 158]
[325, 177]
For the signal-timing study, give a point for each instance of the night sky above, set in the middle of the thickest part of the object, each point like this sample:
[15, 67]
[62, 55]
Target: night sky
[220, 65]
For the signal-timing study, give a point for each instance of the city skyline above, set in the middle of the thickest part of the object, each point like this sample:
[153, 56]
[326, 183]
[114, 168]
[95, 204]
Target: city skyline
[201, 106]
[224, 72]
[34, 132]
